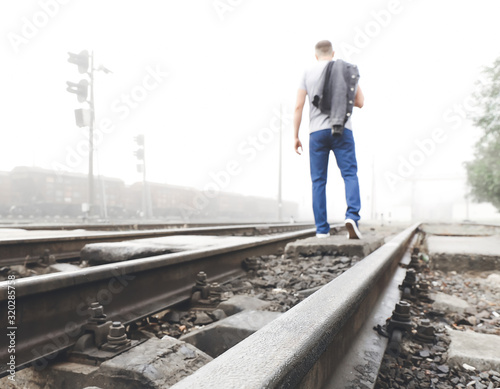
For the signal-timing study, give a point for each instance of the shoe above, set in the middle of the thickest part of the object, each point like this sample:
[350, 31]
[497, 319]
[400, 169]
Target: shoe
[352, 229]
[321, 236]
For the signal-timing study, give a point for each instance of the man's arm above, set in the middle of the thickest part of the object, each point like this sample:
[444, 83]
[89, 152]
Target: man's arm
[297, 118]
[359, 100]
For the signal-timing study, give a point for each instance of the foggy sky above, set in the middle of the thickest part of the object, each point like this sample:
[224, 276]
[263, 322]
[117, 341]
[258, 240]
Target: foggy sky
[204, 81]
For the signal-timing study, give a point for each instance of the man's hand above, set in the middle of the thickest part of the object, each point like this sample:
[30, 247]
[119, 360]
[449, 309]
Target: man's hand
[359, 100]
[297, 117]
[298, 145]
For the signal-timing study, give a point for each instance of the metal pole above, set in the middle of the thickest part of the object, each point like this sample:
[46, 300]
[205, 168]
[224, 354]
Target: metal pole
[102, 187]
[91, 135]
[104, 212]
[144, 190]
[413, 210]
[373, 188]
[280, 205]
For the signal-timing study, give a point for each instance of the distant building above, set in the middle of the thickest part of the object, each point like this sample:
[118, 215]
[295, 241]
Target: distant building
[41, 193]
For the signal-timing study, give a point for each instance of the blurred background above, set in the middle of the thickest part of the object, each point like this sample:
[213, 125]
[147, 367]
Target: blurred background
[195, 99]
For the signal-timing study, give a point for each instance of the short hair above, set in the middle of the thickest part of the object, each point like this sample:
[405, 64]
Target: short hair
[324, 48]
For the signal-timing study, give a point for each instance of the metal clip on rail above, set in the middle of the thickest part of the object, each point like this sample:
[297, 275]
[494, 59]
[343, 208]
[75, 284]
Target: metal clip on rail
[398, 324]
[252, 264]
[409, 284]
[425, 332]
[97, 324]
[205, 295]
[423, 291]
[102, 339]
[46, 259]
[414, 263]
[117, 338]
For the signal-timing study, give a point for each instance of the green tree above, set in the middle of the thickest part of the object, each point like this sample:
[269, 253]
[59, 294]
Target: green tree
[483, 173]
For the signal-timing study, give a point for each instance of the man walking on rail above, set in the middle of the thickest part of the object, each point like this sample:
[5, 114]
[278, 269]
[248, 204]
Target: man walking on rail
[333, 90]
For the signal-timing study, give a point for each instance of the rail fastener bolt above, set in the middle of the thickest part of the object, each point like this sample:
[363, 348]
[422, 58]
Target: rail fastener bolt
[425, 331]
[201, 279]
[399, 322]
[97, 313]
[423, 290]
[409, 284]
[201, 289]
[117, 337]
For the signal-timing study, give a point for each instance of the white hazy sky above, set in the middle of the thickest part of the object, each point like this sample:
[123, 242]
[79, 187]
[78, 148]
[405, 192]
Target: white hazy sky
[222, 70]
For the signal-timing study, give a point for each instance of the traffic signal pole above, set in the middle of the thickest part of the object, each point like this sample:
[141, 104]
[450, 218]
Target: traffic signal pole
[144, 188]
[280, 156]
[84, 91]
[140, 153]
[91, 135]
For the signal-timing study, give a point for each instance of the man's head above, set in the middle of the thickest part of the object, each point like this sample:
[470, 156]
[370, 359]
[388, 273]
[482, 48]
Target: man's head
[324, 50]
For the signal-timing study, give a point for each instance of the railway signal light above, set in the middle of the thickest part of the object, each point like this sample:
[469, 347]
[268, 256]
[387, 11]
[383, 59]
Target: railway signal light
[82, 60]
[139, 153]
[139, 139]
[82, 117]
[81, 89]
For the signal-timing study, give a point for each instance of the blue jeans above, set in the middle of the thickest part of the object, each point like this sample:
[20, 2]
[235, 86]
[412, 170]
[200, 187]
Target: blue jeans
[320, 144]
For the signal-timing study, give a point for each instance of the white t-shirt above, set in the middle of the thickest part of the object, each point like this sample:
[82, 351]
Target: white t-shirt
[317, 120]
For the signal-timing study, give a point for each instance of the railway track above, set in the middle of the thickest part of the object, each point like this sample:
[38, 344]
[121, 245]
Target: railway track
[52, 310]
[18, 250]
[109, 227]
[326, 341]
[316, 343]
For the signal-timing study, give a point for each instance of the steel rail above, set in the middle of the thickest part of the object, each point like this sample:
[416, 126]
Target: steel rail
[125, 226]
[51, 309]
[303, 347]
[14, 250]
